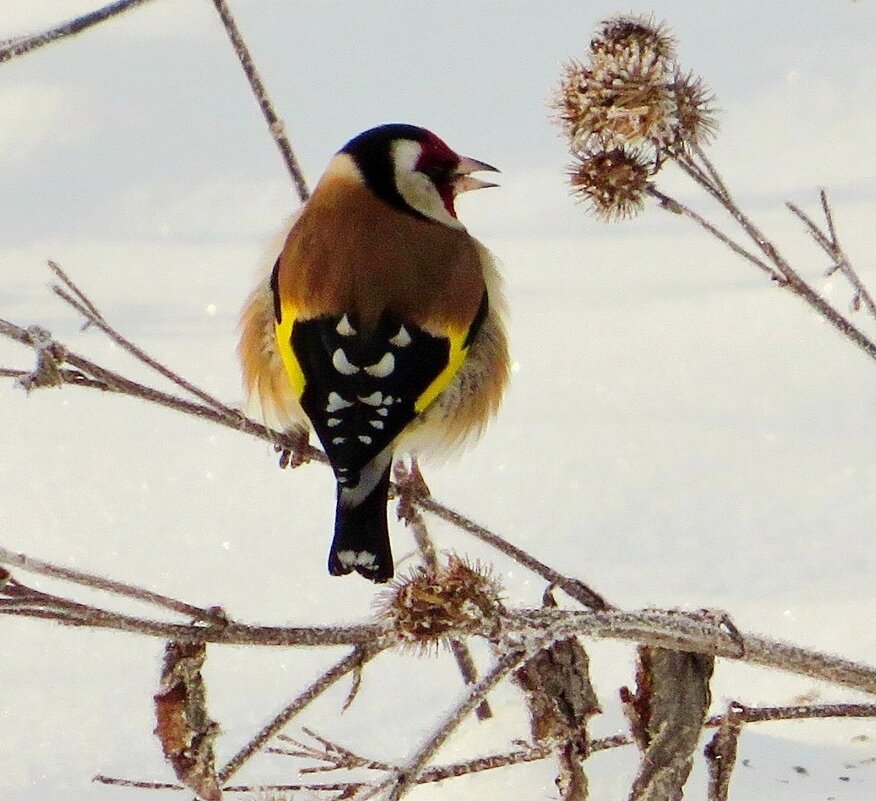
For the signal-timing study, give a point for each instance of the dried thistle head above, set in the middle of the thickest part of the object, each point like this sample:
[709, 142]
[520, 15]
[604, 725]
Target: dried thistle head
[626, 109]
[569, 101]
[613, 182]
[613, 103]
[634, 33]
[428, 608]
[695, 111]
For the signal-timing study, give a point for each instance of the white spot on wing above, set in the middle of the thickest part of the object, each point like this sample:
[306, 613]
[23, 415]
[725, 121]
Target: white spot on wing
[339, 440]
[364, 439]
[374, 399]
[333, 421]
[342, 363]
[378, 424]
[402, 339]
[344, 328]
[382, 412]
[336, 403]
[383, 368]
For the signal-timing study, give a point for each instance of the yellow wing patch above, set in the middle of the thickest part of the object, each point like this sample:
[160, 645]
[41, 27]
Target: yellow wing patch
[443, 379]
[284, 345]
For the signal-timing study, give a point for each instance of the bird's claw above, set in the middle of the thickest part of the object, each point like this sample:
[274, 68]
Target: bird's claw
[295, 449]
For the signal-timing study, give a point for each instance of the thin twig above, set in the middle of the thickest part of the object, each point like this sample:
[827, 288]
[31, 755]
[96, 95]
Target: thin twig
[94, 376]
[352, 661]
[831, 246]
[767, 714]
[32, 565]
[681, 632]
[69, 283]
[409, 488]
[572, 587]
[718, 182]
[676, 207]
[530, 753]
[276, 126]
[82, 304]
[25, 44]
[410, 771]
[783, 274]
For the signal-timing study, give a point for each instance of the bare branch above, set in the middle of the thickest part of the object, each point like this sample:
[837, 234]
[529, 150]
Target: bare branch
[720, 754]
[32, 565]
[410, 488]
[82, 304]
[409, 773]
[572, 587]
[276, 126]
[352, 661]
[671, 204]
[829, 243]
[25, 44]
[522, 754]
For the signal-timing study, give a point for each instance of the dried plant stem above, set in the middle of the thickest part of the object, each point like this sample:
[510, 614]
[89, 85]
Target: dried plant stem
[766, 714]
[275, 125]
[25, 44]
[410, 487]
[572, 587]
[532, 753]
[354, 660]
[690, 633]
[775, 265]
[676, 207]
[437, 773]
[829, 243]
[82, 304]
[32, 565]
[410, 772]
[652, 627]
[93, 376]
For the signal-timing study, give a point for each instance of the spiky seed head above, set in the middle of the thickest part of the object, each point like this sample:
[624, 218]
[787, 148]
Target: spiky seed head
[621, 97]
[429, 608]
[611, 182]
[570, 100]
[695, 112]
[634, 33]
[628, 96]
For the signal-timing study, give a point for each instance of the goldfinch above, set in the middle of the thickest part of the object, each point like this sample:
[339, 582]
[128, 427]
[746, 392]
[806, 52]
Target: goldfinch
[379, 325]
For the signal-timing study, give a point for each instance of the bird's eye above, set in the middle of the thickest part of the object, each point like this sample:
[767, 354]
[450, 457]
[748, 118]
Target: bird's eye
[437, 172]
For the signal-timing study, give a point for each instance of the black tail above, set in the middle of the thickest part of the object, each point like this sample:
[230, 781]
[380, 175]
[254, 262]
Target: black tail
[361, 540]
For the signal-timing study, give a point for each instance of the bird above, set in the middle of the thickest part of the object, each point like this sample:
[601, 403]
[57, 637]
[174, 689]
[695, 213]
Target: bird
[378, 322]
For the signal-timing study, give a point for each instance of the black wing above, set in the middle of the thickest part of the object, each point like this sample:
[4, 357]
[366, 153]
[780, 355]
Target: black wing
[360, 389]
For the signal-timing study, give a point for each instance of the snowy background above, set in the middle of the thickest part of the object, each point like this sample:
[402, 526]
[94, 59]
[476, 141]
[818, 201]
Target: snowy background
[678, 432]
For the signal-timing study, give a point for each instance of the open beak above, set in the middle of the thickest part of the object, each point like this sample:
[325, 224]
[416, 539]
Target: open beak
[464, 182]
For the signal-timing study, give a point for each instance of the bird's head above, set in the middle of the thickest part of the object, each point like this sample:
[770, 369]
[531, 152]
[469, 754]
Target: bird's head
[414, 171]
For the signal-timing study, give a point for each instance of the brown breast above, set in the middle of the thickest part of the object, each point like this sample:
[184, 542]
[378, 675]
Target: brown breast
[377, 259]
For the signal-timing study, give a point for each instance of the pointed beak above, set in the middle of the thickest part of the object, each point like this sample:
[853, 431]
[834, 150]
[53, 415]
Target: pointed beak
[464, 182]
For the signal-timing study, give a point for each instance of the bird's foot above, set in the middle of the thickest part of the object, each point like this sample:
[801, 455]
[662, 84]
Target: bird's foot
[295, 448]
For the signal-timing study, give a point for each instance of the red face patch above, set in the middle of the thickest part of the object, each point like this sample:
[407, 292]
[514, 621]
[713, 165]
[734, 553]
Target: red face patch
[438, 162]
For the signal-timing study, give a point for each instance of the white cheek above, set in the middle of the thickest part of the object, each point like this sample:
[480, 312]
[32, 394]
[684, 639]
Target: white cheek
[415, 188]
